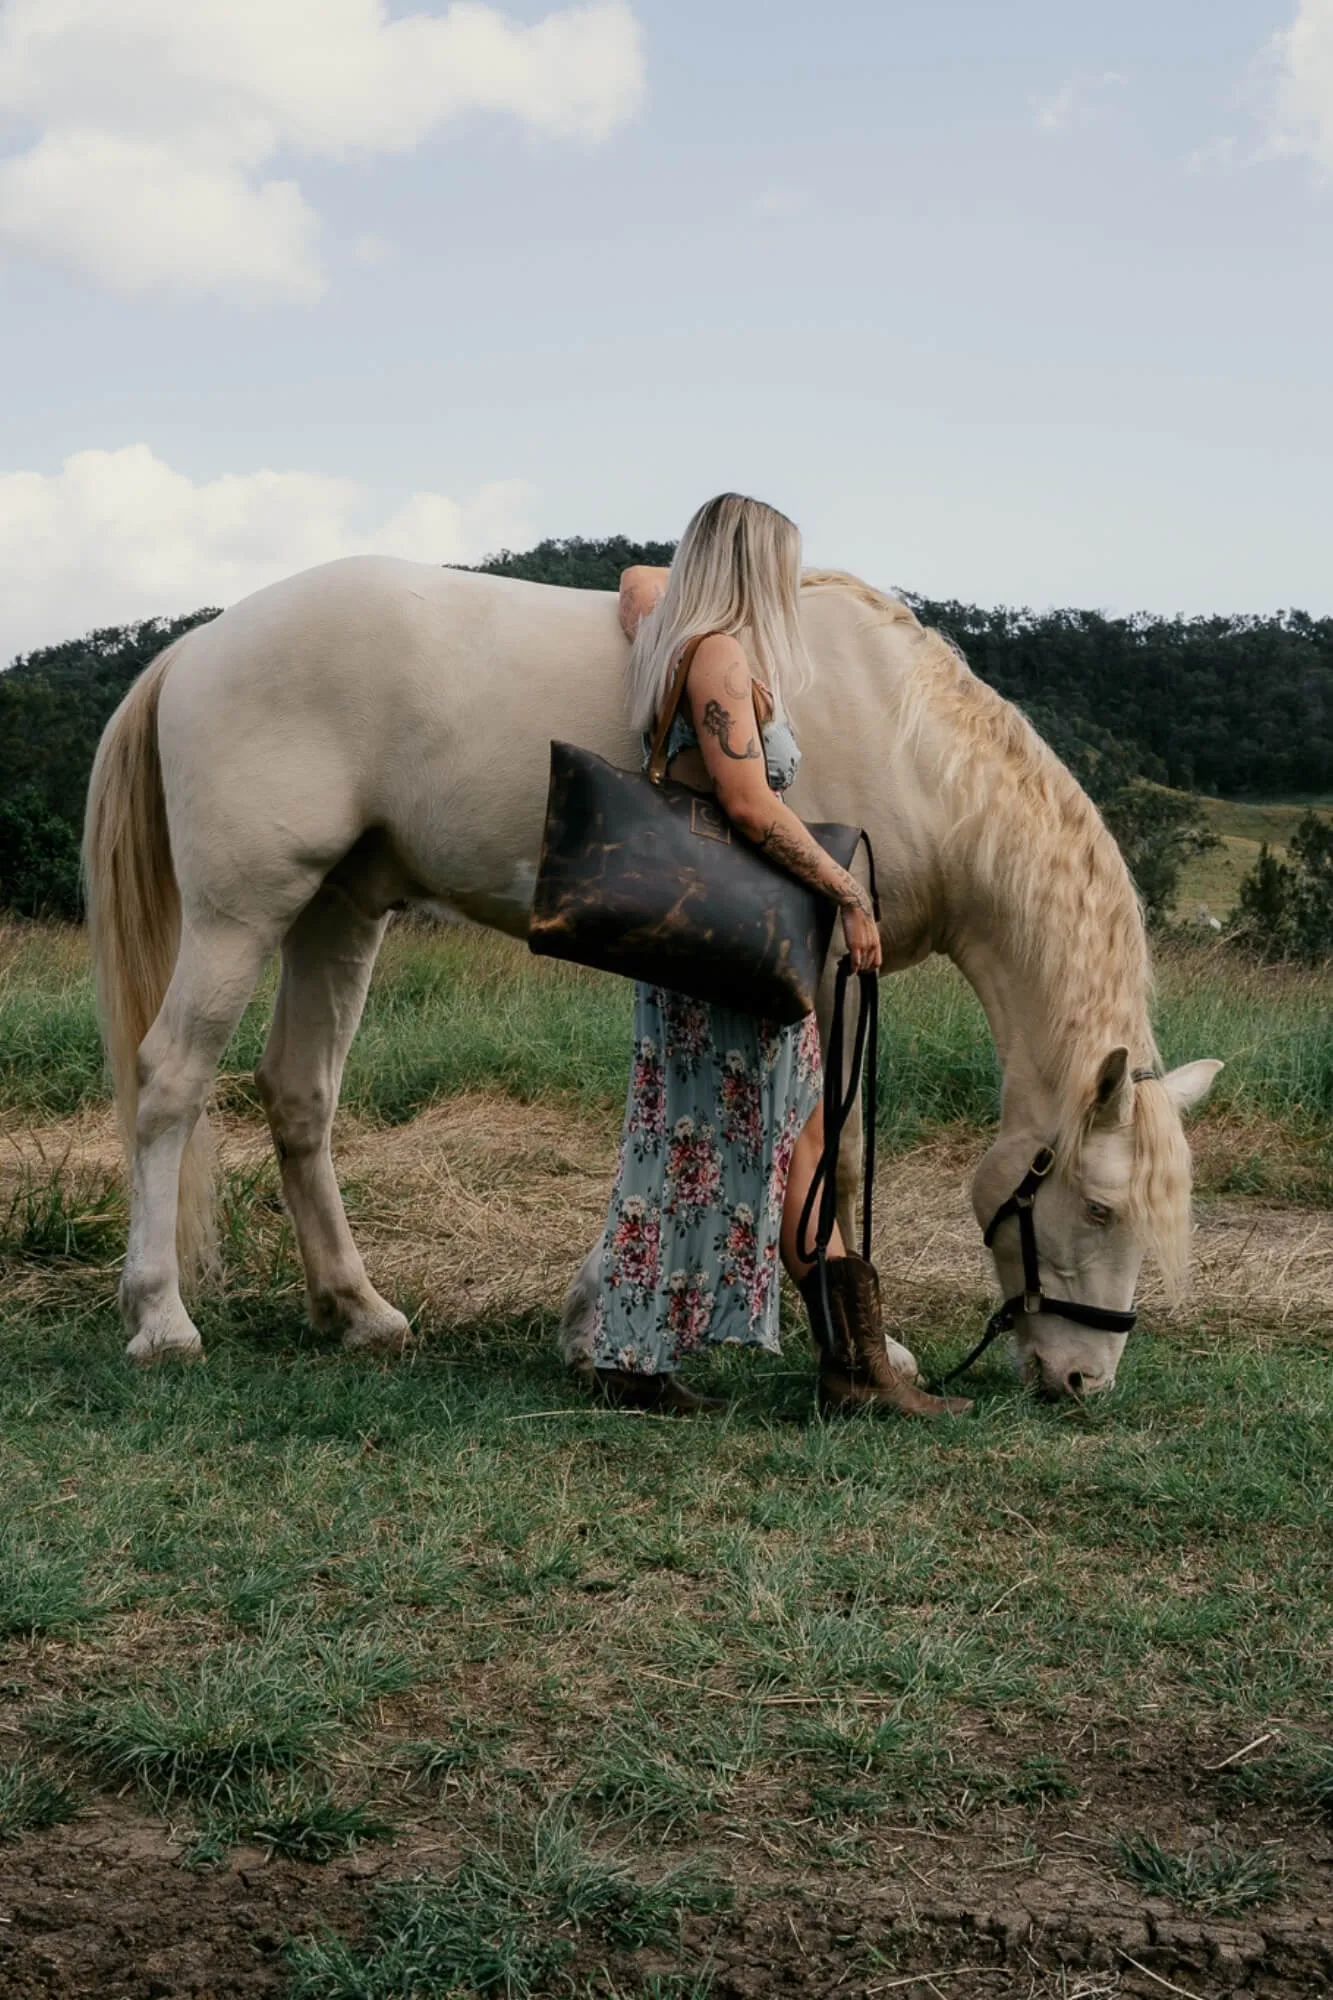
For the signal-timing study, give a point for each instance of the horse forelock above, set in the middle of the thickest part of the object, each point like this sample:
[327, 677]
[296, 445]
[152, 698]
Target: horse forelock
[1156, 1202]
[1040, 855]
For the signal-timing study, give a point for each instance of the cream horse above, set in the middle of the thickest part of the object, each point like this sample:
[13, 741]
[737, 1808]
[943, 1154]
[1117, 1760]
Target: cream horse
[374, 732]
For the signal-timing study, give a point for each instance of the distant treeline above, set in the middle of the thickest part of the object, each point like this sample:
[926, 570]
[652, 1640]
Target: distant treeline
[1234, 706]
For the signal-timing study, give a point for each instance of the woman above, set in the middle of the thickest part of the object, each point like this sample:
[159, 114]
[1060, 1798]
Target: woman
[723, 1125]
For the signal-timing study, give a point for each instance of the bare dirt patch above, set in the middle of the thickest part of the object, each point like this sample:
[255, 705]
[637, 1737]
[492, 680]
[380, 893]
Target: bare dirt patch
[104, 1911]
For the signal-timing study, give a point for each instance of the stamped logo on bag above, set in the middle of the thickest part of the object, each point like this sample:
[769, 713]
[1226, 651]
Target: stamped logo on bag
[709, 821]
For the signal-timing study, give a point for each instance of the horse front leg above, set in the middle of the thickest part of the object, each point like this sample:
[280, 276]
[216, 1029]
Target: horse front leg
[327, 959]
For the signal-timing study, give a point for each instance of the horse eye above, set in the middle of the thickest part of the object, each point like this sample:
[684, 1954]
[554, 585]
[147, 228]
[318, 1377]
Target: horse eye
[1098, 1212]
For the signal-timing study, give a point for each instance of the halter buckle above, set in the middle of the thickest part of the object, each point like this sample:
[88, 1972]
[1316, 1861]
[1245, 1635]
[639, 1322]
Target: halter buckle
[1032, 1302]
[1043, 1163]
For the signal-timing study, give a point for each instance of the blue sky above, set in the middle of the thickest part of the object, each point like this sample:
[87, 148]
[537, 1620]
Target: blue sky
[1024, 304]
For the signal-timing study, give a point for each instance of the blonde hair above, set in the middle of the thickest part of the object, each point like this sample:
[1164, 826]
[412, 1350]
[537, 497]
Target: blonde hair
[737, 569]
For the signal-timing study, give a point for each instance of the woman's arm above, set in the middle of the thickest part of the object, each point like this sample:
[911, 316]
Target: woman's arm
[722, 706]
[641, 589]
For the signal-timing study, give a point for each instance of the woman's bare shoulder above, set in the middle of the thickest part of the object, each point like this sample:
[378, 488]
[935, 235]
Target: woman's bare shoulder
[719, 652]
[720, 658]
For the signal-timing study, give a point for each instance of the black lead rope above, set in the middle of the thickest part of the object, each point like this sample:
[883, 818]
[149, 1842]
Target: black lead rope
[838, 1106]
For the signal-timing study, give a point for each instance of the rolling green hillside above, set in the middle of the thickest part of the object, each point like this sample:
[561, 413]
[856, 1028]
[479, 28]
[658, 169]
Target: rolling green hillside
[1242, 827]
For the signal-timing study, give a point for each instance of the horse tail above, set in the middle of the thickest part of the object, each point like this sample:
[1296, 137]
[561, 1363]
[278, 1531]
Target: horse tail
[134, 926]
[577, 1315]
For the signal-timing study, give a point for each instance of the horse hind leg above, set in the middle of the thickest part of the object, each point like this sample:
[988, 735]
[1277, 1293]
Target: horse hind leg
[327, 959]
[217, 966]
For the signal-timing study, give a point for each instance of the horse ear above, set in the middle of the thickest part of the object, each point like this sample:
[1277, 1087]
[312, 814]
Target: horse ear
[1110, 1102]
[1191, 1083]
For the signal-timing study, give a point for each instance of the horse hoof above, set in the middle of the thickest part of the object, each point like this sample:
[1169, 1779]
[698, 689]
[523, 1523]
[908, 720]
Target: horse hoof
[388, 1332]
[165, 1341]
[902, 1361]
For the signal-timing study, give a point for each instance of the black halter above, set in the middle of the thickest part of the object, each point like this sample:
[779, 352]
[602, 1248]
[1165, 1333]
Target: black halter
[1032, 1299]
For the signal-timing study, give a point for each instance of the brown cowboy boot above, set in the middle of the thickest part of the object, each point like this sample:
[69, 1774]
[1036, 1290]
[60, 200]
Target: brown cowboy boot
[854, 1368]
[666, 1394]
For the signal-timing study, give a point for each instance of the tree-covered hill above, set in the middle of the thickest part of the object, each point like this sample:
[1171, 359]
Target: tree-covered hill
[1232, 706]
[54, 704]
[578, 563]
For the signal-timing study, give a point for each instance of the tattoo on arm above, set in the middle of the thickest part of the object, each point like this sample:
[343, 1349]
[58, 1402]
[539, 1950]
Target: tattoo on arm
[804, 858]
[718, 723]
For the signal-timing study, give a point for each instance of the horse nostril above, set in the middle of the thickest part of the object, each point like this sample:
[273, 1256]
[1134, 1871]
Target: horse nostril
[1074, 1381]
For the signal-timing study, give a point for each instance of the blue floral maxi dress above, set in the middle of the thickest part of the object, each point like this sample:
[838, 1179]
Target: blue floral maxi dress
[717, 1101]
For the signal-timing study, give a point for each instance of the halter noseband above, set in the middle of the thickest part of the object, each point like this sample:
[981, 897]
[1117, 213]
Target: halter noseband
[1032, 1300]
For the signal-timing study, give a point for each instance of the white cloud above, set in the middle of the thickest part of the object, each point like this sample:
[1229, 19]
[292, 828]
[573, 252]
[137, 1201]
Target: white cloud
[782, 204]
[1302, 109]
[118, 535]
[1077, 102]
[1214, 156]
[146, 126]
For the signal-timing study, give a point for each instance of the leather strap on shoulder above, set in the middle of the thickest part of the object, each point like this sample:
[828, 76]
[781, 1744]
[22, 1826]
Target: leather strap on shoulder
[657, 757]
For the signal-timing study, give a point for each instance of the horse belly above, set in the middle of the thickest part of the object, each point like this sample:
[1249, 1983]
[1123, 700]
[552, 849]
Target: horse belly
[465, 804]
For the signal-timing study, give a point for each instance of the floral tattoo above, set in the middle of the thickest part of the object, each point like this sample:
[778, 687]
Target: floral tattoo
[807, 861]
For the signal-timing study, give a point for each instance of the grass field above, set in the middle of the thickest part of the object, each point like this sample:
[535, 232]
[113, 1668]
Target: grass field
[360, 1681]
[1214, 879]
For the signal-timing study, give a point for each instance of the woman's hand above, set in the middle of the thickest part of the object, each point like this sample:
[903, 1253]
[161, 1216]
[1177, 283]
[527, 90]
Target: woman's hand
[641, 590]
[862, 935]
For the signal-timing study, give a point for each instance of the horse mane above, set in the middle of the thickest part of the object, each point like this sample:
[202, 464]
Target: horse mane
[1040, 853]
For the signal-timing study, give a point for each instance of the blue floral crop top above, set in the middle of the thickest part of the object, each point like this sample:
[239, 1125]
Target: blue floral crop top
[781, 757]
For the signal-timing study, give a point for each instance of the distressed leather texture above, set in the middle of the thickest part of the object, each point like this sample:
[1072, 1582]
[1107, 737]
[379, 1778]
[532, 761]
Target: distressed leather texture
[650, 879]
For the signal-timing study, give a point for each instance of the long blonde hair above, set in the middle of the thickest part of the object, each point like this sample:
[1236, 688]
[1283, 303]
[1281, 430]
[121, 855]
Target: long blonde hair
[737, 569]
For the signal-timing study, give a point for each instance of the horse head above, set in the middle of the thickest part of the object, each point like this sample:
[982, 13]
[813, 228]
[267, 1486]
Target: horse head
[1069, 1216]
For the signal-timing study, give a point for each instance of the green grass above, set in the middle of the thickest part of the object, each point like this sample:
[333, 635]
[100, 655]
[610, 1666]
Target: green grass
[44, 1589]
[33, 1798]
[75, 1214]
[509, 1920]
[291, 1820]
[296, 1600]
[1299, 1772]
[755, 1622]
[455, 1009]
[1242, 826]
[239, 1716]
[1216, 1881]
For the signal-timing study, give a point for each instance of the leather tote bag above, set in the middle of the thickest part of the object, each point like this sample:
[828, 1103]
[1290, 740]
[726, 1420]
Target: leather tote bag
[647, 877]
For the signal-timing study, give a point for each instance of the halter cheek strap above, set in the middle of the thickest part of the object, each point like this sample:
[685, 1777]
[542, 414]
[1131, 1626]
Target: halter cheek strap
[1032, 1300]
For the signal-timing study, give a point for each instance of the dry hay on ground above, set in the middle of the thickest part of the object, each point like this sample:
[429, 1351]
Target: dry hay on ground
[1249, 1257]
[482, 1205]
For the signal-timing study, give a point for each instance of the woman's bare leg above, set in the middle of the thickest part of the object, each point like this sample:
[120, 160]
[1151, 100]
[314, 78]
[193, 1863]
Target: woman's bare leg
[804, 1160]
